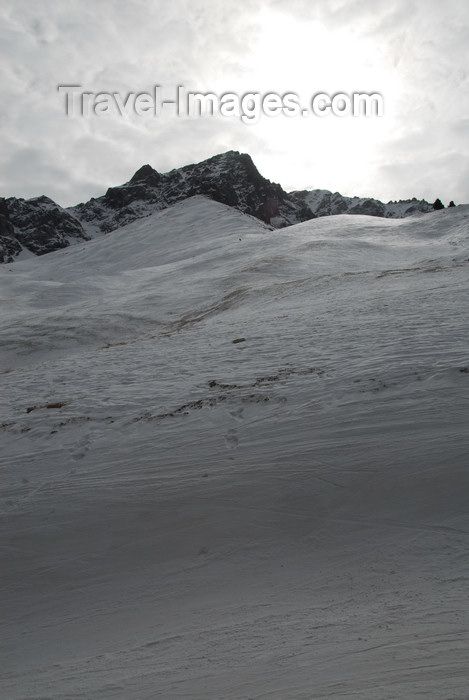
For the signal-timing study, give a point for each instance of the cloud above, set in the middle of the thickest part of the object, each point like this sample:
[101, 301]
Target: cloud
[416, 53]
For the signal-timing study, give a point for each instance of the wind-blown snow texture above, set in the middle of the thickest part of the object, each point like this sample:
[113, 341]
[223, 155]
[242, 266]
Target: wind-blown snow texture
[40, 226]
[235, 461]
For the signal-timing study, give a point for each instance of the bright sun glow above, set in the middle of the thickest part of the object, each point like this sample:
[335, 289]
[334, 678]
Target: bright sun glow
[306, 57]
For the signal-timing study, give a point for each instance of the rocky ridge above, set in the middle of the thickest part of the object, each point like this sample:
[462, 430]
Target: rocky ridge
[39, 225]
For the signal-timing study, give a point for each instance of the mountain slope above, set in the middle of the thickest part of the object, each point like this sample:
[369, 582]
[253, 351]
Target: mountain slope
[234, 461]
[39, 225]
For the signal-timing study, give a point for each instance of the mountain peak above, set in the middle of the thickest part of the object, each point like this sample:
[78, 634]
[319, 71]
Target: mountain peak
[231, 159]
[146, 174]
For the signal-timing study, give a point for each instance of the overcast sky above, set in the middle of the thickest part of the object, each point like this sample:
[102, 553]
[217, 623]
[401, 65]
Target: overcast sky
[415, 53]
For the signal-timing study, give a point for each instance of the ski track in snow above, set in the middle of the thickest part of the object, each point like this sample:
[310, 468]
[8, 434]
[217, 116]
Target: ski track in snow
[280, 517]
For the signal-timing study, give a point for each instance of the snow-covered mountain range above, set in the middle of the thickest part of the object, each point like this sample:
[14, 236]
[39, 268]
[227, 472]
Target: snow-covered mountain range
[39, 225]
[235, 460]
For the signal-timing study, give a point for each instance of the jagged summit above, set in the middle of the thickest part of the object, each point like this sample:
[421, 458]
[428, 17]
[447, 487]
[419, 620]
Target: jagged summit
[41, 226]
[146, 174]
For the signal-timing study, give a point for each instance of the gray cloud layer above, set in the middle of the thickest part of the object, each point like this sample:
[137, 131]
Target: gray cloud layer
[112, 45]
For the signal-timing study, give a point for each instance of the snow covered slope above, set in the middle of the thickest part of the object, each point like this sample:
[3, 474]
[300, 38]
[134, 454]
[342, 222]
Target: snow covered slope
[235, 461]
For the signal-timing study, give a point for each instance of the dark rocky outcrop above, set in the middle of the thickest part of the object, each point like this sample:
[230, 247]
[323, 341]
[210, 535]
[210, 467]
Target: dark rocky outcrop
[39, 225]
